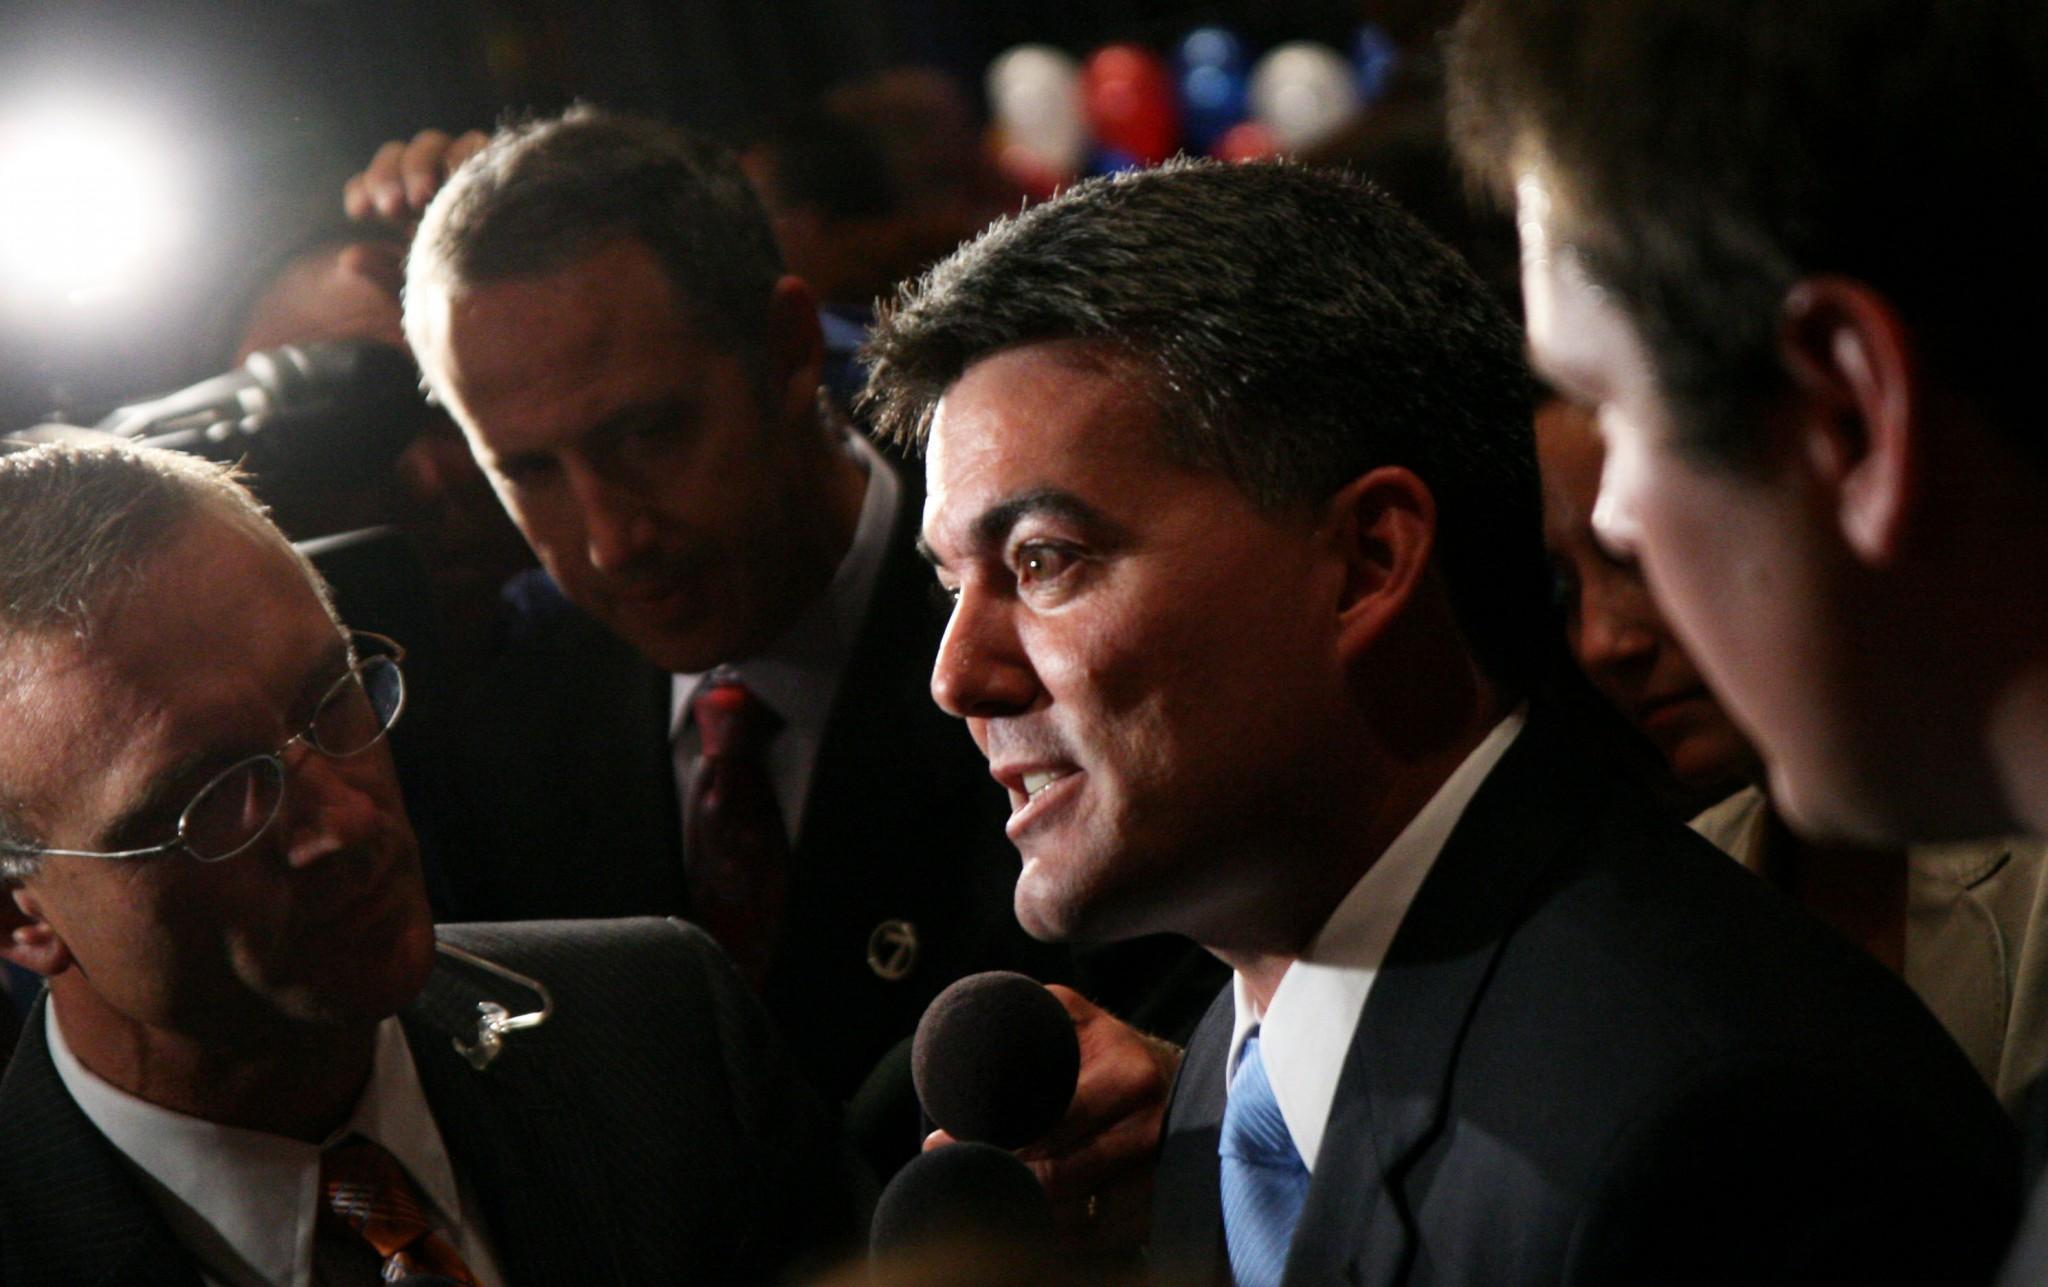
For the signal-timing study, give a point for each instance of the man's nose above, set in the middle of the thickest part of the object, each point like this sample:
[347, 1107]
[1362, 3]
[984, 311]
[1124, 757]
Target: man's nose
[982, 669]
[1617, 626]
[618, 525]
[326, 807]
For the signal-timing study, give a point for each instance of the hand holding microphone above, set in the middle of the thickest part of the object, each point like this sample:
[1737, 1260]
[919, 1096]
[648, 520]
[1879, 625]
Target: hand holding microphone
[996, 1059]
[1096, 1164]
[1080, 1094]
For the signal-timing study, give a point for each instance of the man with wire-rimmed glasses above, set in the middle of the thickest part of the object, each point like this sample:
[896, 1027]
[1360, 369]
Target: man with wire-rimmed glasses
[253, 1059]
[238, 805]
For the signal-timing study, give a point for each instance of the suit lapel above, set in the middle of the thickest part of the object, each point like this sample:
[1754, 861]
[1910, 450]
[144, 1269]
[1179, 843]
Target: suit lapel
[70, 1211]
[1356, 1225]
[516, 1135]
[1187, 1213]
[883, 718]
[625, 764]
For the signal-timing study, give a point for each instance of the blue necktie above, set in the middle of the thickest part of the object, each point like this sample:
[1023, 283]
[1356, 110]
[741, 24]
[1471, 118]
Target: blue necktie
[1264, 1180]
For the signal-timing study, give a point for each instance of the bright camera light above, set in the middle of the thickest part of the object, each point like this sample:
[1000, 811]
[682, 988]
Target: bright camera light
[86, 206]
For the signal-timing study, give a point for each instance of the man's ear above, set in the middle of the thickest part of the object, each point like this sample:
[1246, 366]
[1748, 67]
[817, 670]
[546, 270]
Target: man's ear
[1382, 525]
[26, 938]
[795, 351]
[1857, 396]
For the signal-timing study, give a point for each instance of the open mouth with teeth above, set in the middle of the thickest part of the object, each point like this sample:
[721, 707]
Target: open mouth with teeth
[1036, 782]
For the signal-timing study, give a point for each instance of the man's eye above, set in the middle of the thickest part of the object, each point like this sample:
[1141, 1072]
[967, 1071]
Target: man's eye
[670, 426]
[653, 436]
[649, 432]
[152, 827]
[1037, 564]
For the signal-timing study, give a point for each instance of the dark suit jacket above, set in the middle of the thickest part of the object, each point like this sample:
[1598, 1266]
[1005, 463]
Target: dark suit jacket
[2027, 1264]
[1600, 1052]
[650, 1131]
[567, 807]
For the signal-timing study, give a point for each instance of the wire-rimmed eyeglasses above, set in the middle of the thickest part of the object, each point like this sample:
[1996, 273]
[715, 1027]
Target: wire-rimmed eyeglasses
[238, 804]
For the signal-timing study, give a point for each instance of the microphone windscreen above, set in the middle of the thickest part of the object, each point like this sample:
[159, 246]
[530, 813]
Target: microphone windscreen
[330, 413]
[962, 1194]
[995, 1059]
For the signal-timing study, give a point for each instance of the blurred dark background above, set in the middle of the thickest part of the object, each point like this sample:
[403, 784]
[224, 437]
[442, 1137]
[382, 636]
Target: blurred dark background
[259, 109]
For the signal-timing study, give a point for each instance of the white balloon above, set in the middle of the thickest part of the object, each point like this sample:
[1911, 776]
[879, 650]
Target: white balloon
[1034, 95]
[1303, 91]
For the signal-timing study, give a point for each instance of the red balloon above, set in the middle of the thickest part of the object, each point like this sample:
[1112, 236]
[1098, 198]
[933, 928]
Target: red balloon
[1025, 168]
[1246, 141]
[1128, 93]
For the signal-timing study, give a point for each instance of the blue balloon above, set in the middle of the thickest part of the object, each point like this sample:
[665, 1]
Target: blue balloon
[1210, 89]
[1212, 47]
[1212, 100]
[1212, 83]
[1375, 58]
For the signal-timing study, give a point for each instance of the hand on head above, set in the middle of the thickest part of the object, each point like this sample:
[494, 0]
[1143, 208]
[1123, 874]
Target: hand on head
[404, 175]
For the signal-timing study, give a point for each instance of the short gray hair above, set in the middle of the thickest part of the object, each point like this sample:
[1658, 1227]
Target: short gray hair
[549, 193]
[79, 525]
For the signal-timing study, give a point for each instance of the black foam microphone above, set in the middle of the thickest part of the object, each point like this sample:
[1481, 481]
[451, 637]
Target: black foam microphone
[995, 1059]
[305, 412]
[962, 1194]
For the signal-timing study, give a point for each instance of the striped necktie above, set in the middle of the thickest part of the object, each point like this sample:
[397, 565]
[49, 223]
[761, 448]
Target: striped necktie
[735, 847]
[368, 1191]
[1264, 1181]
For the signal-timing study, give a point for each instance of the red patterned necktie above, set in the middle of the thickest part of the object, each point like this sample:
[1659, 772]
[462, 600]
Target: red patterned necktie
[735, 849]
[370, 1192]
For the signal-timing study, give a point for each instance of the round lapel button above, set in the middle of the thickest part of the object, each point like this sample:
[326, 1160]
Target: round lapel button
[892, 950]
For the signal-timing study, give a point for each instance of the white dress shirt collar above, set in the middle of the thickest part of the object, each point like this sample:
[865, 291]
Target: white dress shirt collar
[798, 675]
[1305, 1035]
[246, 1202]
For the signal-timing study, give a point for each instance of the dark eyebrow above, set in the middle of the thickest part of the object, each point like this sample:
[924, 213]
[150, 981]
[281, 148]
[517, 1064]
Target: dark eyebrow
[681, 407]
[186, 772]
[992, 526]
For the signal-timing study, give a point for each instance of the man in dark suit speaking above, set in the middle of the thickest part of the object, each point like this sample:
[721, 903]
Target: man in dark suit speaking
[599, 302]
[1230, 479]
[254, 1063]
